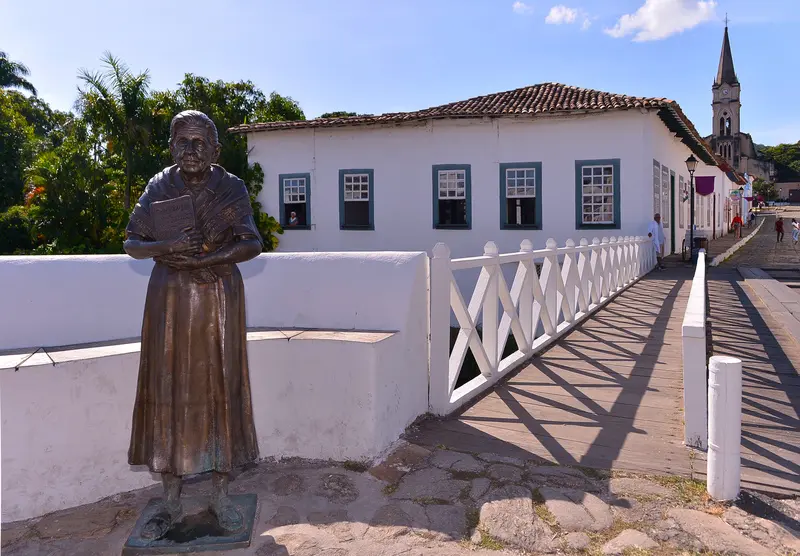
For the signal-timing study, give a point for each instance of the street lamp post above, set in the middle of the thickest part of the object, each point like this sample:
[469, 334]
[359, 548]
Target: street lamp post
[742, 203]
[691, 165]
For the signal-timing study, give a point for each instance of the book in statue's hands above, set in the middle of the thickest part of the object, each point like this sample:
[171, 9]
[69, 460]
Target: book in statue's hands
[172, 217]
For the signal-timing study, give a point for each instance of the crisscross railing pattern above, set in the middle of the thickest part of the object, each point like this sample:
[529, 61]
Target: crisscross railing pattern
[541, 305]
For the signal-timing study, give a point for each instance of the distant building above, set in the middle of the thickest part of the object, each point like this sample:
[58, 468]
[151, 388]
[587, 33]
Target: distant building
[728, 141]
[542, 161]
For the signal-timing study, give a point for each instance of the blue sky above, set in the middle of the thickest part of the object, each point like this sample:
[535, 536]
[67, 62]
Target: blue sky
[380, 56]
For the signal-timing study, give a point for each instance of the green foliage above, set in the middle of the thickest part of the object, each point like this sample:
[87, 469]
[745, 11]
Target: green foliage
[17, 144]
[13, 74]
[70, 179]
[786, 158]
[339, 114]
[342, 114]
[15, 231]
[765, 188]
[115, 102]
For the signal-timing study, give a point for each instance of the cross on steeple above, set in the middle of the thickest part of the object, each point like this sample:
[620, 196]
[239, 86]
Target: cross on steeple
[726, 19]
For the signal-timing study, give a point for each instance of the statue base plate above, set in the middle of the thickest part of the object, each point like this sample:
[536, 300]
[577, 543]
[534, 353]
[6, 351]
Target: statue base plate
[197, 531]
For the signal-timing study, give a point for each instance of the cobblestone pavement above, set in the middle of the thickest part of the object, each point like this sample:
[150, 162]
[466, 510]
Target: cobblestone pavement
[763, 251]
[444, 503]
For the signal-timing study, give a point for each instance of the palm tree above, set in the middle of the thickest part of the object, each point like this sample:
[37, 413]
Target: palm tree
[13, 74]
[115, 103]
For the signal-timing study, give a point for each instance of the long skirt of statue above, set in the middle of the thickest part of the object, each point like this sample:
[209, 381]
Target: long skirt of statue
[193, 409]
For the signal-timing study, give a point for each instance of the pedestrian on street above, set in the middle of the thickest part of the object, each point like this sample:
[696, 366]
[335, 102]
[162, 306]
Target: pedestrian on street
[795, 231]
[779, 229]
[737, 226]
[656, 231]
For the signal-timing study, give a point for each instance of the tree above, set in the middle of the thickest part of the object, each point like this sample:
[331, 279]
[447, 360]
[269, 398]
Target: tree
[765, 188]
[786, 158]
[13, 74]
[339, 114]
[342, 114]
[17, 140]
[116, 103]
[72, 202]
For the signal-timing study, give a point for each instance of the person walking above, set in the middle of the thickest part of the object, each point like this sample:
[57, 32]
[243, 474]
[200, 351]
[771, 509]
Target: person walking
[795, 231]
[737, 226]
[779, 229]
[656, 231]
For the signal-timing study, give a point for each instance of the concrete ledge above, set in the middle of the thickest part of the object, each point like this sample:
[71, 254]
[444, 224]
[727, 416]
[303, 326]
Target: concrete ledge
[327, 394]
[31, 357]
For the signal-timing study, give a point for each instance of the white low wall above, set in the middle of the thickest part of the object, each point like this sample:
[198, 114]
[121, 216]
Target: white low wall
[63, 300]
[694, 360]
[316, 394]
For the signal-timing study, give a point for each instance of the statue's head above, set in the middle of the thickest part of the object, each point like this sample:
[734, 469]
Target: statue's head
[193, 143]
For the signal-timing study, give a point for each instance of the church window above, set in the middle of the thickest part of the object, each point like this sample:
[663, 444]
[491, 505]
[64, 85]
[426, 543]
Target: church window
[727, 126]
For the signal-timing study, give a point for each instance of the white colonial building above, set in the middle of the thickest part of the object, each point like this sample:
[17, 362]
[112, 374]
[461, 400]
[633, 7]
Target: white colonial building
[537, 162]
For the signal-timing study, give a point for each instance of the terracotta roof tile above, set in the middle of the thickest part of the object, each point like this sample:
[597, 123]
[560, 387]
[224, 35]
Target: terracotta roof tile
[545, 98]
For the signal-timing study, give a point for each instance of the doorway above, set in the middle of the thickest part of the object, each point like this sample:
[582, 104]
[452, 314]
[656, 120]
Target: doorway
[672, 210]
[714, 218]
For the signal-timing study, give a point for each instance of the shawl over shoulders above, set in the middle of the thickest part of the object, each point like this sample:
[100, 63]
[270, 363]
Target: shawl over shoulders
[224, 203]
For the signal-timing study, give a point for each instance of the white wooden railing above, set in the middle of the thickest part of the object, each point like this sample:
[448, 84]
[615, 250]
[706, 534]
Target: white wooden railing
[695, 360]
[574, 281]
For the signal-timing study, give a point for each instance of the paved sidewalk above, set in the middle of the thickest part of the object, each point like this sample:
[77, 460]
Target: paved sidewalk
[440, 502]
[763, 251]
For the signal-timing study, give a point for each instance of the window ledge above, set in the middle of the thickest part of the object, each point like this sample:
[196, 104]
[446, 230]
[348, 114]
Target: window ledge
[598, 227]
[308, 227]
[510, 227]
[452, 227]
[358, 228]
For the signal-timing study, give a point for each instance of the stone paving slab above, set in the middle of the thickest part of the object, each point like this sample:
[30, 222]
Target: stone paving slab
[328, 509]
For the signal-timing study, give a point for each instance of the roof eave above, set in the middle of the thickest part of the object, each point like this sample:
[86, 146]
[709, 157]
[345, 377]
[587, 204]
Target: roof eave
[675, 120]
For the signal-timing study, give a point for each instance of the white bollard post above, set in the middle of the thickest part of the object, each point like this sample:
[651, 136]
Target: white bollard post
[724, 427]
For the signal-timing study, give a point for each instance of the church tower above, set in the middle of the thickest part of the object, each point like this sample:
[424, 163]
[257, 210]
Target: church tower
[726, 107]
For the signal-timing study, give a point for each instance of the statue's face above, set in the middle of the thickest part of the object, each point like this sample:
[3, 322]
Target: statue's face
[192, 149]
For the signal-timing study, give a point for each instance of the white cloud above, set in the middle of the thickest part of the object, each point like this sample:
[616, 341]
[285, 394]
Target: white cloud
[521, 8]
[561, 14]
[658, 19]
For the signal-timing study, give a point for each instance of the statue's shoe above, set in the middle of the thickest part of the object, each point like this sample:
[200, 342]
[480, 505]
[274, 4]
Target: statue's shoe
[159, 525]
[228, 516]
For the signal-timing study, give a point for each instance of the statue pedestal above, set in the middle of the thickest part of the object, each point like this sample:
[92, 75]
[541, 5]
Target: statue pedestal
[198, 531]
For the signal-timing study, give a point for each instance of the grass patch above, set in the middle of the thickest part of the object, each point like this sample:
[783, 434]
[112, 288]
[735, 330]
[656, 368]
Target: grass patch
[388, 490]
[599, 538]
[689, 491]
[356, 466]
[596, 474]
[490, 543]
[541, 509]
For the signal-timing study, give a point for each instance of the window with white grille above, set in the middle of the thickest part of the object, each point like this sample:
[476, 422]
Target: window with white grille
[451, 187]
[520, 197]
[597, 191]
[357, 199]
[295, 196]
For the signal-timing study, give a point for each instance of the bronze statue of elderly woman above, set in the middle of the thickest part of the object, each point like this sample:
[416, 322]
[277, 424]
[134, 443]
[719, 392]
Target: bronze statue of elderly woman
[193, 411]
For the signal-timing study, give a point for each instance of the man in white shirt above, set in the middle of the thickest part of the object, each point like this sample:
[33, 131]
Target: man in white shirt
[656, 231]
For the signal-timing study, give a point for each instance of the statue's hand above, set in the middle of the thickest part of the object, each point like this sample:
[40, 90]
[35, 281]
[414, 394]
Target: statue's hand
[180, 261]
[190, 241]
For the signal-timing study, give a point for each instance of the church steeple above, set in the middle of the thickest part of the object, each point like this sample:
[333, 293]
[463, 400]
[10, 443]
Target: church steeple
[725, 72]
